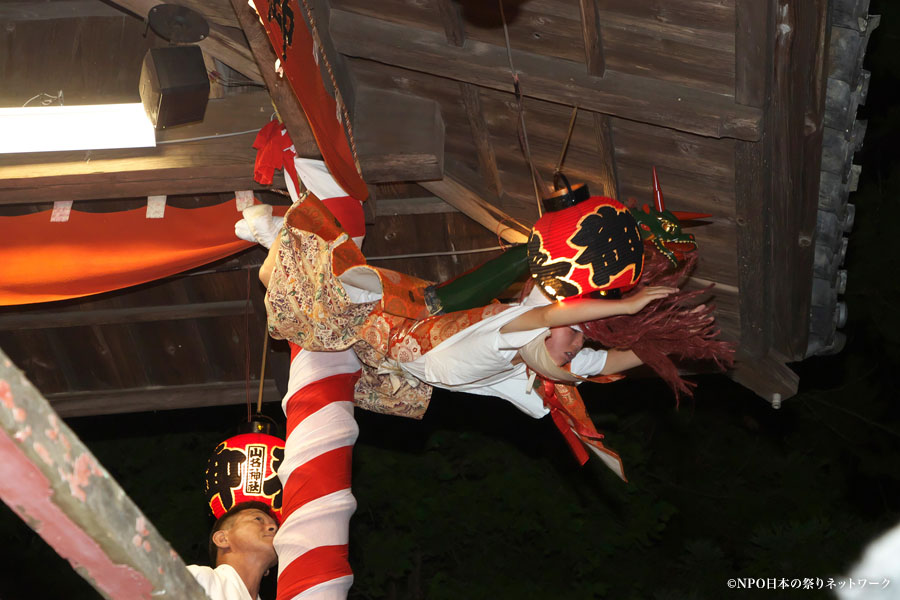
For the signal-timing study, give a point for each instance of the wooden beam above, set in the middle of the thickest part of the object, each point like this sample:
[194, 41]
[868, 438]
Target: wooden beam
[220, 164]
[454, 28]
[44, 319]
[752, 213]
[215, 11]
[224, 43]
[606, 149]
[767, 376]
[412, 206]
[752, 51]
[754, 33]
[487, 160]
[628, 96]
[593, 41]
[289, 110]
[53, 482]
[399, 137]
[795, 153]
[45, 11]
[196, 168]
[228, 45]
[132, 400]
[466, 200]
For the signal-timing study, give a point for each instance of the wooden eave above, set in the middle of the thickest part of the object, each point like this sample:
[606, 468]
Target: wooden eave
[717, 96]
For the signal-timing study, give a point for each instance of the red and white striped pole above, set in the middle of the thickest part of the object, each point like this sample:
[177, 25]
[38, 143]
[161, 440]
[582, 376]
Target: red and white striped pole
[312, 543]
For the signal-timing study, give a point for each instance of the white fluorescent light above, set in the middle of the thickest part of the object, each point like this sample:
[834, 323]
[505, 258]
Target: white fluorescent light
[94, 127]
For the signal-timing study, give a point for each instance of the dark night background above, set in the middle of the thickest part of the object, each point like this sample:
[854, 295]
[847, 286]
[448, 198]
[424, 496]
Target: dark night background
[480, 501]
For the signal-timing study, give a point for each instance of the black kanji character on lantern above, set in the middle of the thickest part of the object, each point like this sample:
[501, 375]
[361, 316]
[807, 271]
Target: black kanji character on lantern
[224, 474]
[272, 486]
[611, 243]
[550, 274]
[281, 12]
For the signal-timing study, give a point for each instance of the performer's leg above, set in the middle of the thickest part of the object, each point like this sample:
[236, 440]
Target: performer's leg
[312, 543]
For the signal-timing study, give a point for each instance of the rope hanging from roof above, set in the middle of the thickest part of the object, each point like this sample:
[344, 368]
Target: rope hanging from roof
[565, 148]
[536, 179]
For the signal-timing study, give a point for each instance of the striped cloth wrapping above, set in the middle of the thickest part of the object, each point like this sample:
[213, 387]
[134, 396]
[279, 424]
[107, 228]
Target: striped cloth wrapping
[312, 543]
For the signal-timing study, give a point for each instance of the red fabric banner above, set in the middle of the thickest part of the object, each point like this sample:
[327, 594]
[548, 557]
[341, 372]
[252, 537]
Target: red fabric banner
[91, 253]
[300, 55]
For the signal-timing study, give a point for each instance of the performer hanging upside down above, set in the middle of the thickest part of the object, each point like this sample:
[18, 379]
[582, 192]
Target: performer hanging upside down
[323, 297]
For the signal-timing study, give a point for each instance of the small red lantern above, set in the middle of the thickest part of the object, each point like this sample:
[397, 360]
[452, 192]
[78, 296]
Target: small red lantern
[243, 468]
[592, 247]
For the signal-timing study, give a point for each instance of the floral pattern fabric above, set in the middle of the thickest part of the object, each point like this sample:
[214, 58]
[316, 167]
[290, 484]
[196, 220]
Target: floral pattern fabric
[306, 304]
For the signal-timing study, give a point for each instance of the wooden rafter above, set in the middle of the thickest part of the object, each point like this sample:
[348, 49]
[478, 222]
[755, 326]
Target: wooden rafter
[224, 43]
[482, 138]
[54, 483]
[606, 168]
[451, 18]
[105, 316]
[218, 164]
[457, 194]
[593, 41]
[632, 97]
[130, 400]
[768, 376]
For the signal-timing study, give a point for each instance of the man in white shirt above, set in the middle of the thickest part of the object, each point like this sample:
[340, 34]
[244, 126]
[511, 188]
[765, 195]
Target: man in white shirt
[240, 545]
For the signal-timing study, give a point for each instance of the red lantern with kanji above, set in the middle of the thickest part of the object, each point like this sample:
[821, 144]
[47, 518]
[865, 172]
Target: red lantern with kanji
[592, 247]
[243, 468]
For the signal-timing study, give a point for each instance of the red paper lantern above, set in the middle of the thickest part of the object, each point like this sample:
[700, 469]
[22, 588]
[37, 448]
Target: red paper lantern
[592, 247]
[243, 468]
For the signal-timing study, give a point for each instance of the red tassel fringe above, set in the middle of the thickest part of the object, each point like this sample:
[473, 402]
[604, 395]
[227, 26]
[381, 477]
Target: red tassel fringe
[674, 326]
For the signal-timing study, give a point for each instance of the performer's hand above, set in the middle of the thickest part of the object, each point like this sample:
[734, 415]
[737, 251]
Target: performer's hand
[646, 295]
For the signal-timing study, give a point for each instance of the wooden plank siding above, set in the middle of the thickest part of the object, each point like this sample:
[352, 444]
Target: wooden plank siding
[697, 172]
[669, 45]
[640, 98]
[33, 354]
[98, 351]
[723, 97]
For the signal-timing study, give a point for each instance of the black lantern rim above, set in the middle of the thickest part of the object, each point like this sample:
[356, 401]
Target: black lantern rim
[566, 195]
[260, 423]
